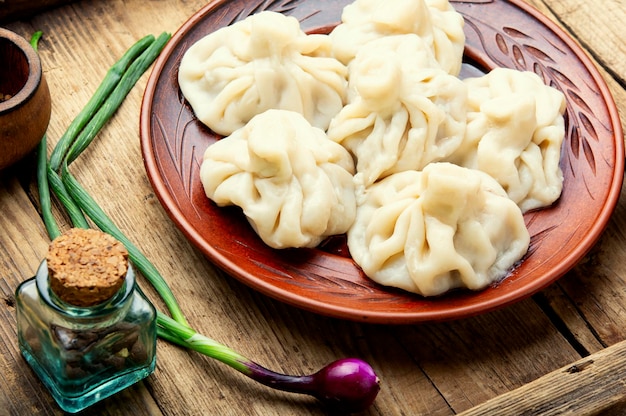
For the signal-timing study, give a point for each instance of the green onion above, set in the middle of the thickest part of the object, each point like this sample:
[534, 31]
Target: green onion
[44, 190]
[34, 40]
[42, 168]
[106, 100]
[113, 102]
[73, 210]
[110, 81]
[99, 217]
[187, 337]
[347, 385]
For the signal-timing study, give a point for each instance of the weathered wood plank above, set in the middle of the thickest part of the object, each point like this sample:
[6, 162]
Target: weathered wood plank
[475, 359]
[595, 285]
[565, 313]
[599, 26]
[593, 385]
[589, 299]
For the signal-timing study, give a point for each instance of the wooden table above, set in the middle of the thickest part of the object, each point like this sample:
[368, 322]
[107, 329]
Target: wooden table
[561, 349]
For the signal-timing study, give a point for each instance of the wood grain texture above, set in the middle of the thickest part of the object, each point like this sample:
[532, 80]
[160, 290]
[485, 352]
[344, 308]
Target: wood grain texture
[591, 386]
[598, 28]
[434, 369]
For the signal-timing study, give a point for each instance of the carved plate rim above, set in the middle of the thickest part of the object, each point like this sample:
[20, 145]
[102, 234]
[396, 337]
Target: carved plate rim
[332, 285]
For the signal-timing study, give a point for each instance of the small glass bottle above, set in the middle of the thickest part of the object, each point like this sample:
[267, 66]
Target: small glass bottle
[85, 339]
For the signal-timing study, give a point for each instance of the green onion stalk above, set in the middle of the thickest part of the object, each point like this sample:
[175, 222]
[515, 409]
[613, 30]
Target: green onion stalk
[104, 90]
[42, 181]
[346, 385]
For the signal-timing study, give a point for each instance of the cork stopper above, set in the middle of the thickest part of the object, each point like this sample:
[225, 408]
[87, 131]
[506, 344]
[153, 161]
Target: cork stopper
[86, 267]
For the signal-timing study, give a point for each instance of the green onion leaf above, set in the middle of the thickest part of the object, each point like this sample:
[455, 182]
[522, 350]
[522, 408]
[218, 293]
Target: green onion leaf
[115, 99]
[44, 190]
[110, 81]
[73, 210]
[188, 338]
[347, 385]
[99, 217]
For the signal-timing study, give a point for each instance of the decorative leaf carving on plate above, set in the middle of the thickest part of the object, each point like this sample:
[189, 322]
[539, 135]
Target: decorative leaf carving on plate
[514, 48]
[279, 6]
[182, 147]
[305, 278]
[511, 31]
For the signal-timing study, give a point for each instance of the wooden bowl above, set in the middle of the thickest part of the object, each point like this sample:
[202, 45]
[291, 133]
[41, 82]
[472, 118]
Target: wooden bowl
[25, 103]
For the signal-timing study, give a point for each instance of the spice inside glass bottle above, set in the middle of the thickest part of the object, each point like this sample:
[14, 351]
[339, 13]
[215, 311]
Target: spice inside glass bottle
[82, 325]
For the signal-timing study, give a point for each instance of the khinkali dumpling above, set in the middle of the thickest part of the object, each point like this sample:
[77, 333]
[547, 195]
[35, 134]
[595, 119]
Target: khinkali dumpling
[294, 185]
[442, 228]
[262, 62]
[435, 21]
[515, 129]
[402, 112]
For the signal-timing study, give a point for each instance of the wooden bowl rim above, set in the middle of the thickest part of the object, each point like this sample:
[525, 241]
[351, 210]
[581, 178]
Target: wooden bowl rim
[34, 72]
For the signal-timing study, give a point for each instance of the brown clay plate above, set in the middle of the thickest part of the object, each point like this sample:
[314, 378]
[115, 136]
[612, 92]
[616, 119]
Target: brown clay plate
[325, 280]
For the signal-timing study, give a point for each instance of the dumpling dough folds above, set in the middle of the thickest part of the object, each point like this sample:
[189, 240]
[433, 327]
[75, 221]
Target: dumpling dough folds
[402, 112]
[262, 62]
[515, 129]
[442, 228]
[435, 21]
[294, 185]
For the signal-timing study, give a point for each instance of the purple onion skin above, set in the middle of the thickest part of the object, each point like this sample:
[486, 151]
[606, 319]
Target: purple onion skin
[348, 385]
